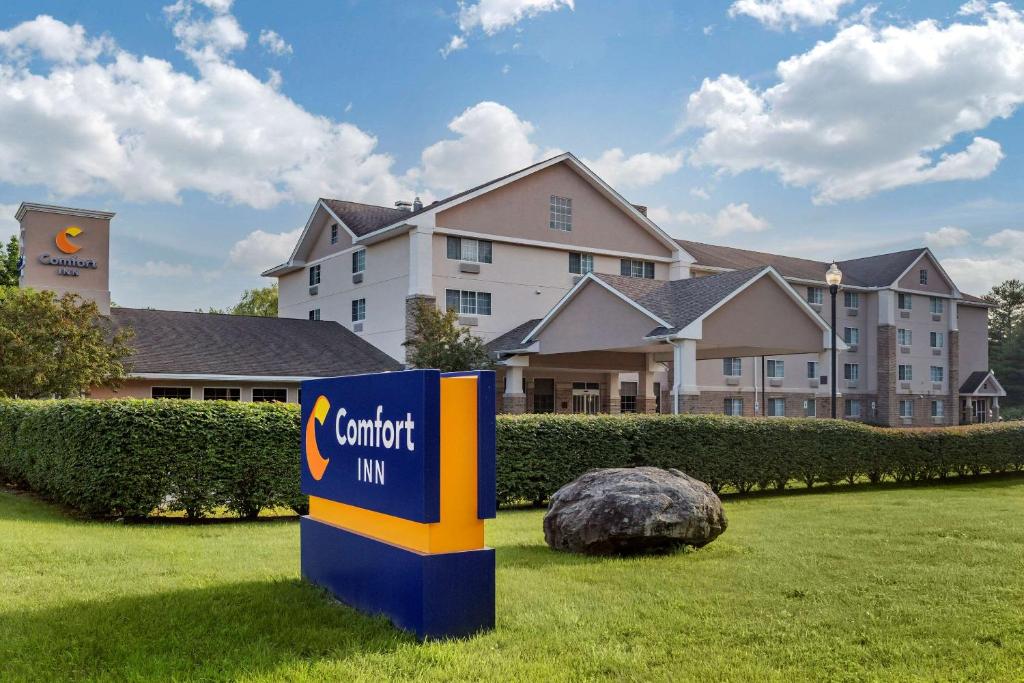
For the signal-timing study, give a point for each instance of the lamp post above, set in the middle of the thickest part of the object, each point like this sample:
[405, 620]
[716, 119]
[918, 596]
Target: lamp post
[833, 276]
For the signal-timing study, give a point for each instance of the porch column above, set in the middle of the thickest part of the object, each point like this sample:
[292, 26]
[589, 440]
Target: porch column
[614, 406]
[514, 399]
[684, 372]
[645, 400]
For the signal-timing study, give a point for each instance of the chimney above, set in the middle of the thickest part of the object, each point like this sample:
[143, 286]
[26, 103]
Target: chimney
[403, 205]
[417, 204]
[641, 208]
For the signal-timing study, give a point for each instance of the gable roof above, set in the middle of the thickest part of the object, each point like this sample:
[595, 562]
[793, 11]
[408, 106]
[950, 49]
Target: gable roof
[176, 342]
[513, 340]
[362, 219]
[977, 379]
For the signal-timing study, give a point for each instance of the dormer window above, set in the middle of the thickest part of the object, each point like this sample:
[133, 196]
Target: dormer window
[334, 233]
[923, 277]
[561, 213]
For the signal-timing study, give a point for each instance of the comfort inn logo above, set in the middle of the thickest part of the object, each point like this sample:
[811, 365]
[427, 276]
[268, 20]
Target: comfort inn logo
[316, 462]
[64, 238]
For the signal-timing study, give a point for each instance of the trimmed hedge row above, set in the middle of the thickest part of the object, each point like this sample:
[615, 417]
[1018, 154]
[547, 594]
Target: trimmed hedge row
[130, 457]
[537, 454]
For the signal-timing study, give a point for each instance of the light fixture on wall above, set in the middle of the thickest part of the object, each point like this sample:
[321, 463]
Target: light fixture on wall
[834, 277]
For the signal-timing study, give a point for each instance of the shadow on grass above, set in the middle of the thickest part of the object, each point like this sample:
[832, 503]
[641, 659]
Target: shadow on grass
[220, 632]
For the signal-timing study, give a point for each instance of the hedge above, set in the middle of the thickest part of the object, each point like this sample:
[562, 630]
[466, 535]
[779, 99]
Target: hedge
[131, 457]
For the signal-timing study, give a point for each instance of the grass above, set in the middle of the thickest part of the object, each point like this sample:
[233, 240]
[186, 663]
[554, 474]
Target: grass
[869, 583]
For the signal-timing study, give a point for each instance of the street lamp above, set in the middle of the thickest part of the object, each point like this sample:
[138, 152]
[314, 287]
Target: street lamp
[833, 276]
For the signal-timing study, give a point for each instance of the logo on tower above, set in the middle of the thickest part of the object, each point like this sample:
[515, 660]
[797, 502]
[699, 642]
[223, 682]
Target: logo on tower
[64, 238]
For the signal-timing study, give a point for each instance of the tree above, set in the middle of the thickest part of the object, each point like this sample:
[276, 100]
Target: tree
[1006, 338]
[9, 263]
[57, 347]
[260, 302]
[438, 341]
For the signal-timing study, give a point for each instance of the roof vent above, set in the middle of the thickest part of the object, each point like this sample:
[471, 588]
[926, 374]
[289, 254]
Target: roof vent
[641, 208]
[403, 205]
[417, 204]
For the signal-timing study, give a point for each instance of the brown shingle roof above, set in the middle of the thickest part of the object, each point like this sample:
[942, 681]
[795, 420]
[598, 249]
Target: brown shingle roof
[176, 342]
[511, 340]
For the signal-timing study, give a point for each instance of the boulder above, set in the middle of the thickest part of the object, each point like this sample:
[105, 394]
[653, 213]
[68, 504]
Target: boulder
[630, 510]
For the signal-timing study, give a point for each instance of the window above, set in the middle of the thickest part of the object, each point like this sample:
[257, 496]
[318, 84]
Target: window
[221, 394]
[851, 372]
[906, 373]
[359, 261]
[261, 395]
[852, 408]
[468, 303]
[810, 408]
[314, 275]
[543, 395]
[922, 276]
[936, 305]
[815, 295]
[936, 340]
[812, 369]
[581, 264]
[465, 249]
[904, 301]
[334, 233]
[561, 214]
[776, 407]
[776, 369]
[732, 367]
[903, 337]
[937, 373]
[627, 397]
[314, 314]
[734, 406]
[632, 268]
[851, 299]
[906, 408]
[938, 409]
[358, 310]
[851, 335]
[172, 392]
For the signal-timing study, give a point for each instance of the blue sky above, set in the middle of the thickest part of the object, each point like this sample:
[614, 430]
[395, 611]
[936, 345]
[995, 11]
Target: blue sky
[821, 128]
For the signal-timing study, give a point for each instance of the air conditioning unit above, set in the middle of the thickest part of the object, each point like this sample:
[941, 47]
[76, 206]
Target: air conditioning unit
[852, 312]
[357, 327]
[936, 317]
[314, 290]
[357, 278]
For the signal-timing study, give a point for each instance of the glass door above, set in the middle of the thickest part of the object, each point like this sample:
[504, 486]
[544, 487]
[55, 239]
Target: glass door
[586, 398]
[981, 410]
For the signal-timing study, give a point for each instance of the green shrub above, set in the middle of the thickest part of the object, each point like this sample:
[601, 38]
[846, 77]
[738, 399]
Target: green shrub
[130, 457]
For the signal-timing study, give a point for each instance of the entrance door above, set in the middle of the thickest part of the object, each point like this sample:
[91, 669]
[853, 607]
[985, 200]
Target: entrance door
[981, 410]
[586, 398]
[543, 395]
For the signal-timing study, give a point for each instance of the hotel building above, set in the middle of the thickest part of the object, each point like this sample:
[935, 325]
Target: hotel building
[588, 306]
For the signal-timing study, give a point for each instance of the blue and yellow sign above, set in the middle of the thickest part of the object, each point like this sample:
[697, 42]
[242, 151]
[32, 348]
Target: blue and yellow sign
[400, 471]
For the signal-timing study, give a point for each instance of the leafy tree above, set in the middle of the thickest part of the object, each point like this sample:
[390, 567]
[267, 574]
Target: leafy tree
[1006, 338]
[56, 347]
[438, 341]
[260, 302]
[9, 263]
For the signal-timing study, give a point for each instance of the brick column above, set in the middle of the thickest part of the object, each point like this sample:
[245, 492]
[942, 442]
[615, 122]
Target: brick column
[887, 377]
[411, 303]
[953, 377]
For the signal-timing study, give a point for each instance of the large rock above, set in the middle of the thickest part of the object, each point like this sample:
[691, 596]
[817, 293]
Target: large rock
[623, 511]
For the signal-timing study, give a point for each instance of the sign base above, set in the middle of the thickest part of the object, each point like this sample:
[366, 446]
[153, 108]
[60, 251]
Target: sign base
[436, 595]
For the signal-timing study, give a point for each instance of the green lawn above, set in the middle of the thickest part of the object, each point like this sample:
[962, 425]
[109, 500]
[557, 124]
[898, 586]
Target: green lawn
[897, 583]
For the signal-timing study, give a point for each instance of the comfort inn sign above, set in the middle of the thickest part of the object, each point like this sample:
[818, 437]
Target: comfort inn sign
[400, 470]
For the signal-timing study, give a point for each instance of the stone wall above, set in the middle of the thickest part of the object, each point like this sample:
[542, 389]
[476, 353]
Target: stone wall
[411, 303]
[887, 410]
[953, 378]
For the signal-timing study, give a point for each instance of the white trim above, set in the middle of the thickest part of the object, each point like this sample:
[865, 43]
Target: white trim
[928, 252]
[291, 262]
[171, 386]
[549, 245]
[589, 277]
[1000, 392]
[198, 377]
[228, 399]
[25, 207]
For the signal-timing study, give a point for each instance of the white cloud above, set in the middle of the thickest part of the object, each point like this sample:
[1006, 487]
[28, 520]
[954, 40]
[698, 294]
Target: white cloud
[792, 14]
[51, 40]
[137, 127]
[730, 219]
[157, 269]
[978, 275]
[946, 237]
[1009, 242]
[699, 193]
[205, 37]
[898, 98]
[492, 141]
[274, 43]
[260, 250]
[638, 170]
[8, 225]
[493, 16]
